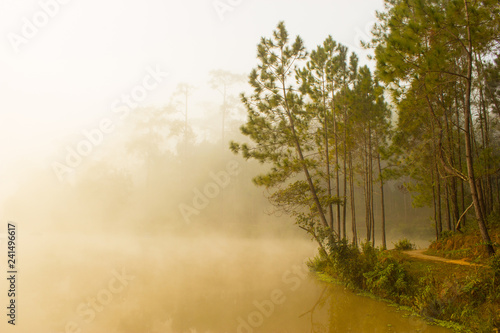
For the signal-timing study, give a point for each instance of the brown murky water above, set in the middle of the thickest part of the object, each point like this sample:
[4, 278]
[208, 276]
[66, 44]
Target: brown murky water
[164, 284]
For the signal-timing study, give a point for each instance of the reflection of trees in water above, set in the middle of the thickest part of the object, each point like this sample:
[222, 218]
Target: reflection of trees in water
[334, 303]
[317, 327]
[339, 310]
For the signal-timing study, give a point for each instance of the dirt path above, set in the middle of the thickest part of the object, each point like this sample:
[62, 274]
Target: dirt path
[419, 254]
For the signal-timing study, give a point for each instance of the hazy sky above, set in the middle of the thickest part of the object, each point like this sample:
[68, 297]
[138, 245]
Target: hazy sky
[63, 63]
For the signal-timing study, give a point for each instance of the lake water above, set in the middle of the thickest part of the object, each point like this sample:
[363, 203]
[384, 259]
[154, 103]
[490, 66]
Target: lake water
[207, 283]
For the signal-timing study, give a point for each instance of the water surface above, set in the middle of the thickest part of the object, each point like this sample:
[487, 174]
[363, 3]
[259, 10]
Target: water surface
[207, 283]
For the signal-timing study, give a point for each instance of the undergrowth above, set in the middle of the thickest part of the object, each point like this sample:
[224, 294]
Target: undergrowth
[471, 300]
[404, 245]
[467, 243]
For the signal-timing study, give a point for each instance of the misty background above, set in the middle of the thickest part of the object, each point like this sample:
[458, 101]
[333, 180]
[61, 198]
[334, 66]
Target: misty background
[78, 69]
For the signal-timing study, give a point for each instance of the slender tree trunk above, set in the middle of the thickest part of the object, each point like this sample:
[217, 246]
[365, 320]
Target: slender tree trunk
[342, 235]
[312, 188]
[328, 173]
[468, 146]
[438, 197]
[489, 180]
[372, 217]
[454, 201]
[382, 204]
[453, 181]
[405, 206]
[344, 208]
[298, 148]
[462, 187]
[447, 198]
[481, 196]
[434, 204]
[437, 183]
[370, 183]
[487, 190]
[366, 190]
[475, 151]
[353, 206]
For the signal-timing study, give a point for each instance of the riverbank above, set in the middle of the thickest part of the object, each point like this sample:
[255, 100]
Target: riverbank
[465, 298]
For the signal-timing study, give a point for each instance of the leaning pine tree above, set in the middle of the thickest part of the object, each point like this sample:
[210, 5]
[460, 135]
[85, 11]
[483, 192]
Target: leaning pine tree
[282, 130]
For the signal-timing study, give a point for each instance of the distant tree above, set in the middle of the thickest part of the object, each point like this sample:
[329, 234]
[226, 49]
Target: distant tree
[222, 81]
[180, 100]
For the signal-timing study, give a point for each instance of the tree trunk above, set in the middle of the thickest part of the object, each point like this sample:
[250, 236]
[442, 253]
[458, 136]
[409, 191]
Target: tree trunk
[462, 187]
[312, 188]
[328, 174]
[382, 205]
[366, 191]
[337, 175]
[353, 207]
[436, 184]
[438, 197]
[448, 211]
[468, 146]
[434, 204]
[370, 184]
[344, 208]
[453, 182]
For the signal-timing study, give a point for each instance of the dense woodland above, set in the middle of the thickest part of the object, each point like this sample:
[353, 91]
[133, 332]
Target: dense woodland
[429, 115]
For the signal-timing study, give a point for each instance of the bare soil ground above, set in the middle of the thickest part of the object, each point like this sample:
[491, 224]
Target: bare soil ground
[419, 254]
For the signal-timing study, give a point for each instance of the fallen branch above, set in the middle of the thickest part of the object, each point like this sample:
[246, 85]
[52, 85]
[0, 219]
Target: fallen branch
[463, 214]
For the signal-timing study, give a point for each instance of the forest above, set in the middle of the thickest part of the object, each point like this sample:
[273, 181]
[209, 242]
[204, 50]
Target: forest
[427, 115]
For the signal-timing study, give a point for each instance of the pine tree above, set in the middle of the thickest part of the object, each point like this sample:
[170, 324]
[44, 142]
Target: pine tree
[421, 47]
[282, 131]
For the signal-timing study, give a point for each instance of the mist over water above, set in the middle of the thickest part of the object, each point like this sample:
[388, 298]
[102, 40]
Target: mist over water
[204, 283]
[166, 242]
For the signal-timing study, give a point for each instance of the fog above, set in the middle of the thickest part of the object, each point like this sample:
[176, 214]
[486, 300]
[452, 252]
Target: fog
[151, 233]
[164, 284]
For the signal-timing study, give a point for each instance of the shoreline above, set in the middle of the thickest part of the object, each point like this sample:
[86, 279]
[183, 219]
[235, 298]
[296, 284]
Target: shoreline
[443, 292]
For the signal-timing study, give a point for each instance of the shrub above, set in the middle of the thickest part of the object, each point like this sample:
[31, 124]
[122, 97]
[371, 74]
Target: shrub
[318, 263]
[404, 245]
[495, 266]
[349, 264]
[388, 279]
[446, 234]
